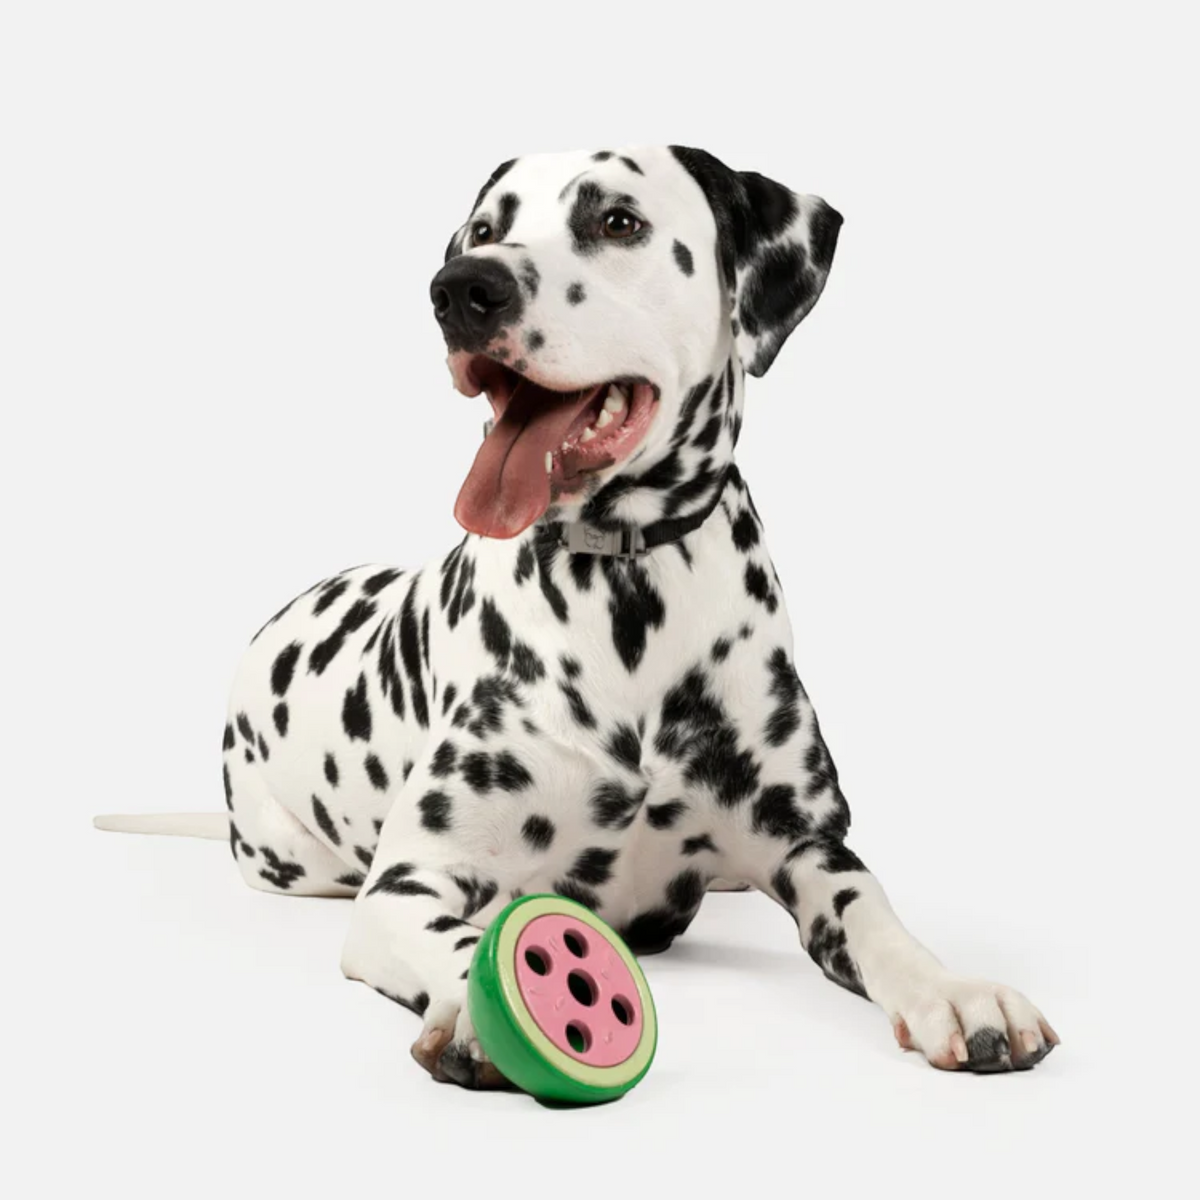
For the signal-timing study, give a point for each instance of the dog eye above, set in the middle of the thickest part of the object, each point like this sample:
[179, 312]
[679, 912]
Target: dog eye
[619, 223]
[481, 233]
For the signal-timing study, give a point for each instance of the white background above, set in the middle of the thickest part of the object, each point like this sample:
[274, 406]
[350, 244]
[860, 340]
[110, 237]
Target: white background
[976, 462]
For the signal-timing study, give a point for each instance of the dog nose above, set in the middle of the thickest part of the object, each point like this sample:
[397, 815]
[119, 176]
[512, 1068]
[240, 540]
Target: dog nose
[472, 298]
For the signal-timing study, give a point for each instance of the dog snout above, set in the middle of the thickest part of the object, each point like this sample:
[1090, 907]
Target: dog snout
[472, 299]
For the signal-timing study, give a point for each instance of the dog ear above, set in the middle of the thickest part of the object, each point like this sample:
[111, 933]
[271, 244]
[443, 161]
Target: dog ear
[774, 248]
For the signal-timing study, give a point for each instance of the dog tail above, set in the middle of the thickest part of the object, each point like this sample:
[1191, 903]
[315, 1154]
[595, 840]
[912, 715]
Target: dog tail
[213, 825]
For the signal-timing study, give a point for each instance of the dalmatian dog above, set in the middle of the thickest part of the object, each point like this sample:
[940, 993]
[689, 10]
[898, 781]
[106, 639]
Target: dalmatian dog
[594, 692]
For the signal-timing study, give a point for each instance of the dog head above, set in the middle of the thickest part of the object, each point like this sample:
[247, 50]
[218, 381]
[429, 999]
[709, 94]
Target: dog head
[608, 304]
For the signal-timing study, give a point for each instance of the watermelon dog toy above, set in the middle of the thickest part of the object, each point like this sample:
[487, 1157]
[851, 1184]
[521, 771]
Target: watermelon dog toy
[559, 1002]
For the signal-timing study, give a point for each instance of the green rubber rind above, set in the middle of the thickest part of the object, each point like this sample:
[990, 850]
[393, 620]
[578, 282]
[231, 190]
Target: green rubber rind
[511, 1038]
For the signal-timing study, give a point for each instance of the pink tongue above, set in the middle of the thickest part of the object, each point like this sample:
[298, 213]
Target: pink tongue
[508, 488]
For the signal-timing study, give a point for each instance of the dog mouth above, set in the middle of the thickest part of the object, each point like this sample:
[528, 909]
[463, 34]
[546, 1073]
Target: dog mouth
[544, 443]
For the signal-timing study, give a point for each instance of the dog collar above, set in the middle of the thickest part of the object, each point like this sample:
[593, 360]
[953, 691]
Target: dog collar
[626, 541]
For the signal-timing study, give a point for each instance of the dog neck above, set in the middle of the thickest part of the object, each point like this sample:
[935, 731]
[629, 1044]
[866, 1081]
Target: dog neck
[680, 476]
[665, 493]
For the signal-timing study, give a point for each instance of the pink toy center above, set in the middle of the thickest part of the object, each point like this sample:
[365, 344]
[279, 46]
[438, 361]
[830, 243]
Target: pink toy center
[579, 990]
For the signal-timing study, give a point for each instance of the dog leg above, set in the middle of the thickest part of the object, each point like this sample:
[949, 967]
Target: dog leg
[411, 939]
[849, 929]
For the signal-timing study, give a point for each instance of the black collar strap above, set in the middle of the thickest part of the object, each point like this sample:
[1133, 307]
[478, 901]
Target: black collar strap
[628, 542]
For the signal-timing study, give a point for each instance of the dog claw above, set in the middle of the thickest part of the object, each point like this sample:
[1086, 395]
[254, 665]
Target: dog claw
[427, 1050]
[958, 1046]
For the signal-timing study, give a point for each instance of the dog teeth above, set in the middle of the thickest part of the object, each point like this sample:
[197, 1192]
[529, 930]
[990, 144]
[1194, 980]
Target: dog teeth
[587, 434]
[549, 462]
[615, 400]
[605, 417]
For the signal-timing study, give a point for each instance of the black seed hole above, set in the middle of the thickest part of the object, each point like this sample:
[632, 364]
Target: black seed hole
[579, 1037]
[576, 944]
[538, 960]
[622, 1010]
[582, 988]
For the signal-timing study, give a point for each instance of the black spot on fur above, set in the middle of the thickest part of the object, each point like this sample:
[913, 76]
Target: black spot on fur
[228, 788]
[695, 729]
[535, 339]
[245, 728]
[229, 741]
[584, 218]
[745, 531]
[507, 207]
[827, 948]
[988, 1050]
[573, 890]
[525, 562]
[694, 845]
[477, 771]
[776, 290]
[394, 881]
[538, 831]
[683, 258]
[263, 749]
[280, 716]
[843, 900]
[685, 891]
[576, 294]
[331, 770]
[720, 649]
[526, 665]
[377, 582]
[758, 586]
[629, 162]
[478, 893]
[278, 871]
[376, 773]
[776, 814]
[323, 653]
[635, 607]
[435, 811]
[444, 758]
[325, 822]
[352, 879]
[411, 655]
[329, 594]
[626, 747]
[464, 942]
[364, 856]
[613, 807]
[653, 931]
[531, 278]
[510, 774]
[284, 667]
[356, 711]
[593, 866]
[664, 816]
[783, 886]
[580, 711]
[546, 549]
[444, 924]
[785, 687]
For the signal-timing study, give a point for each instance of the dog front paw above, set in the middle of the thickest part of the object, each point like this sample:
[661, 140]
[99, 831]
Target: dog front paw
[449, 1050]
[972, 1025]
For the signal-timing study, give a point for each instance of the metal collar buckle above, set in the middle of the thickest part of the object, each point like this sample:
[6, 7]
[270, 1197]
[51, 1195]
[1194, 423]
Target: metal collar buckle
[579, 538]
